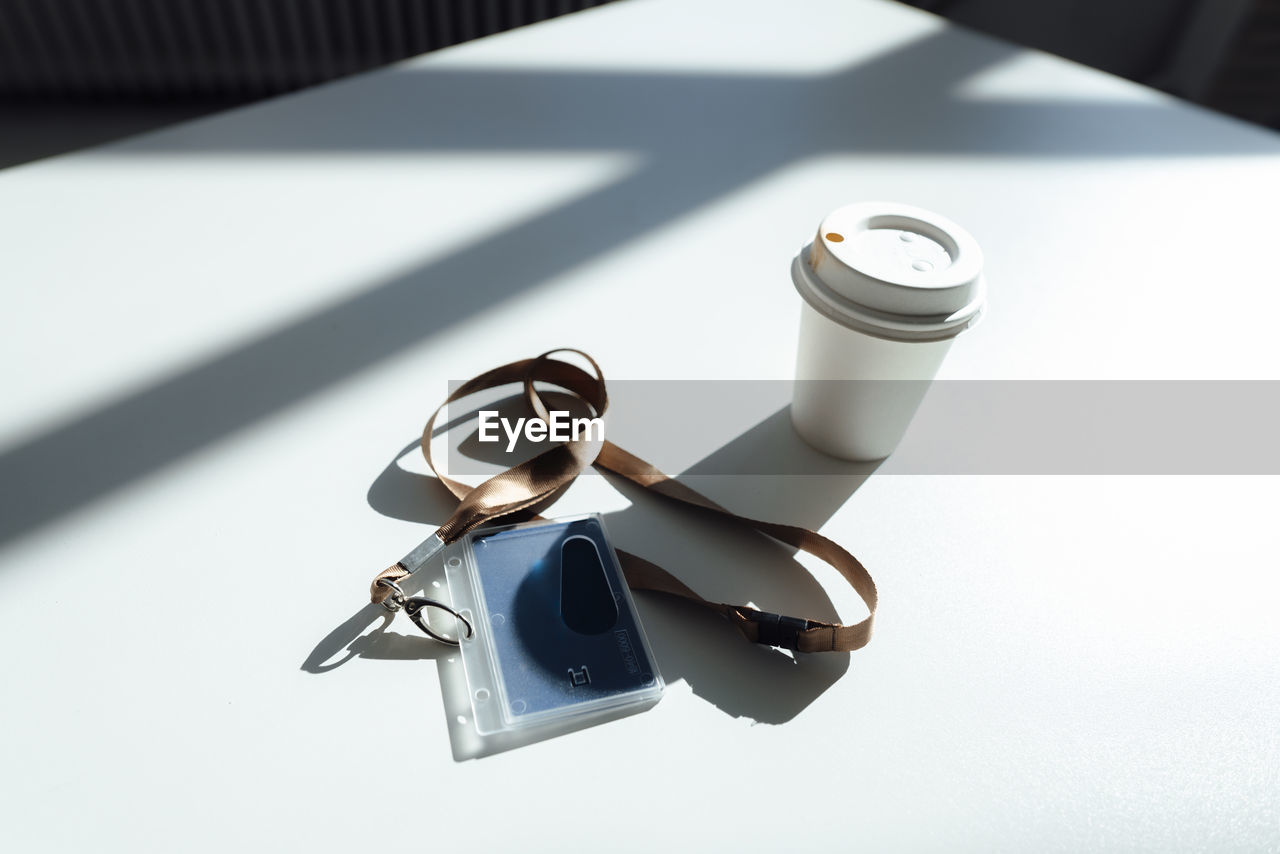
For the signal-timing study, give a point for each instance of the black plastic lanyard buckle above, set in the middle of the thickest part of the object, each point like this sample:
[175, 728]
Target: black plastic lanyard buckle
[777, 630]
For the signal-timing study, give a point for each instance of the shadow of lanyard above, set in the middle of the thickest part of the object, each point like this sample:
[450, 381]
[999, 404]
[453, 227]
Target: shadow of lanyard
[536, 483]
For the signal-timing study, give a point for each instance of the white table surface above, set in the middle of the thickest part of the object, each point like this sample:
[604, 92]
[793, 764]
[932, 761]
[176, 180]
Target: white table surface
[217, 337]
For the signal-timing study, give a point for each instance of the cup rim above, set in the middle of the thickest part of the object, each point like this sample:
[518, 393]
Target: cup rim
[882, 324]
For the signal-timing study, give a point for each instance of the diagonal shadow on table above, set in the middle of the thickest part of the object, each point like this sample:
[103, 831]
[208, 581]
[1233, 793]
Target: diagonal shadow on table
[729, 140]
[894, 102]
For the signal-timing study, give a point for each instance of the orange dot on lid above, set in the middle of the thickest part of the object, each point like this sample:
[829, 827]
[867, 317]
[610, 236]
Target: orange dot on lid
[835, 237]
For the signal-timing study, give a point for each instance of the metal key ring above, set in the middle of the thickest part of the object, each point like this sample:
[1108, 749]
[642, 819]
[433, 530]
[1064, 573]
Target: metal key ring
[416, 605]
[395, 601]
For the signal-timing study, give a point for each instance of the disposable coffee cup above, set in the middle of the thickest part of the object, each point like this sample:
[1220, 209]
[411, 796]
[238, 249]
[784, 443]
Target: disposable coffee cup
[886, 288]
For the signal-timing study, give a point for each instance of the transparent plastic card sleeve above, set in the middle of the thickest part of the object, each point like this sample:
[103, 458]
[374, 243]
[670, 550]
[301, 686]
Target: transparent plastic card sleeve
[557, 639]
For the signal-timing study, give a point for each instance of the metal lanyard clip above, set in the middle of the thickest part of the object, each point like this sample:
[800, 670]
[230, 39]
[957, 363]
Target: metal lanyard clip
[416, 607]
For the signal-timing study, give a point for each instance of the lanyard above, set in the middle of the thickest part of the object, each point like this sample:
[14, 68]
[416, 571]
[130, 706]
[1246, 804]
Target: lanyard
[534, 484]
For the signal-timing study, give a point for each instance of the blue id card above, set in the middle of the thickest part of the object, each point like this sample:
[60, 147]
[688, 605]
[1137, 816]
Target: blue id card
[556, 635]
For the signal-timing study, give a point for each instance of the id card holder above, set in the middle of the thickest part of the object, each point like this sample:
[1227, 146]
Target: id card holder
[557, 639]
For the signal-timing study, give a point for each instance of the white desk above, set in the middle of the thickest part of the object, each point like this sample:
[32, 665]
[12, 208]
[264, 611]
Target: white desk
[217, 337]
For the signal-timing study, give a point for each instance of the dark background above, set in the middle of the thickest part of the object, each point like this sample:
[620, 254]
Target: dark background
[75, 73]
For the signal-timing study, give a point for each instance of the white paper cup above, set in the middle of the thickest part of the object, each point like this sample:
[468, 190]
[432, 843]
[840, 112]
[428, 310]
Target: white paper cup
[886, 288]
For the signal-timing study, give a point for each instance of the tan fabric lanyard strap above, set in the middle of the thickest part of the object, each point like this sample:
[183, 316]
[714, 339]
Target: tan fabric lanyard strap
[535, 483]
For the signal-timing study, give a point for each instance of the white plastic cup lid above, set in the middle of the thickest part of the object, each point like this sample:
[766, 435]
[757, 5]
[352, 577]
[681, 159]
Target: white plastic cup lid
[893, 271]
